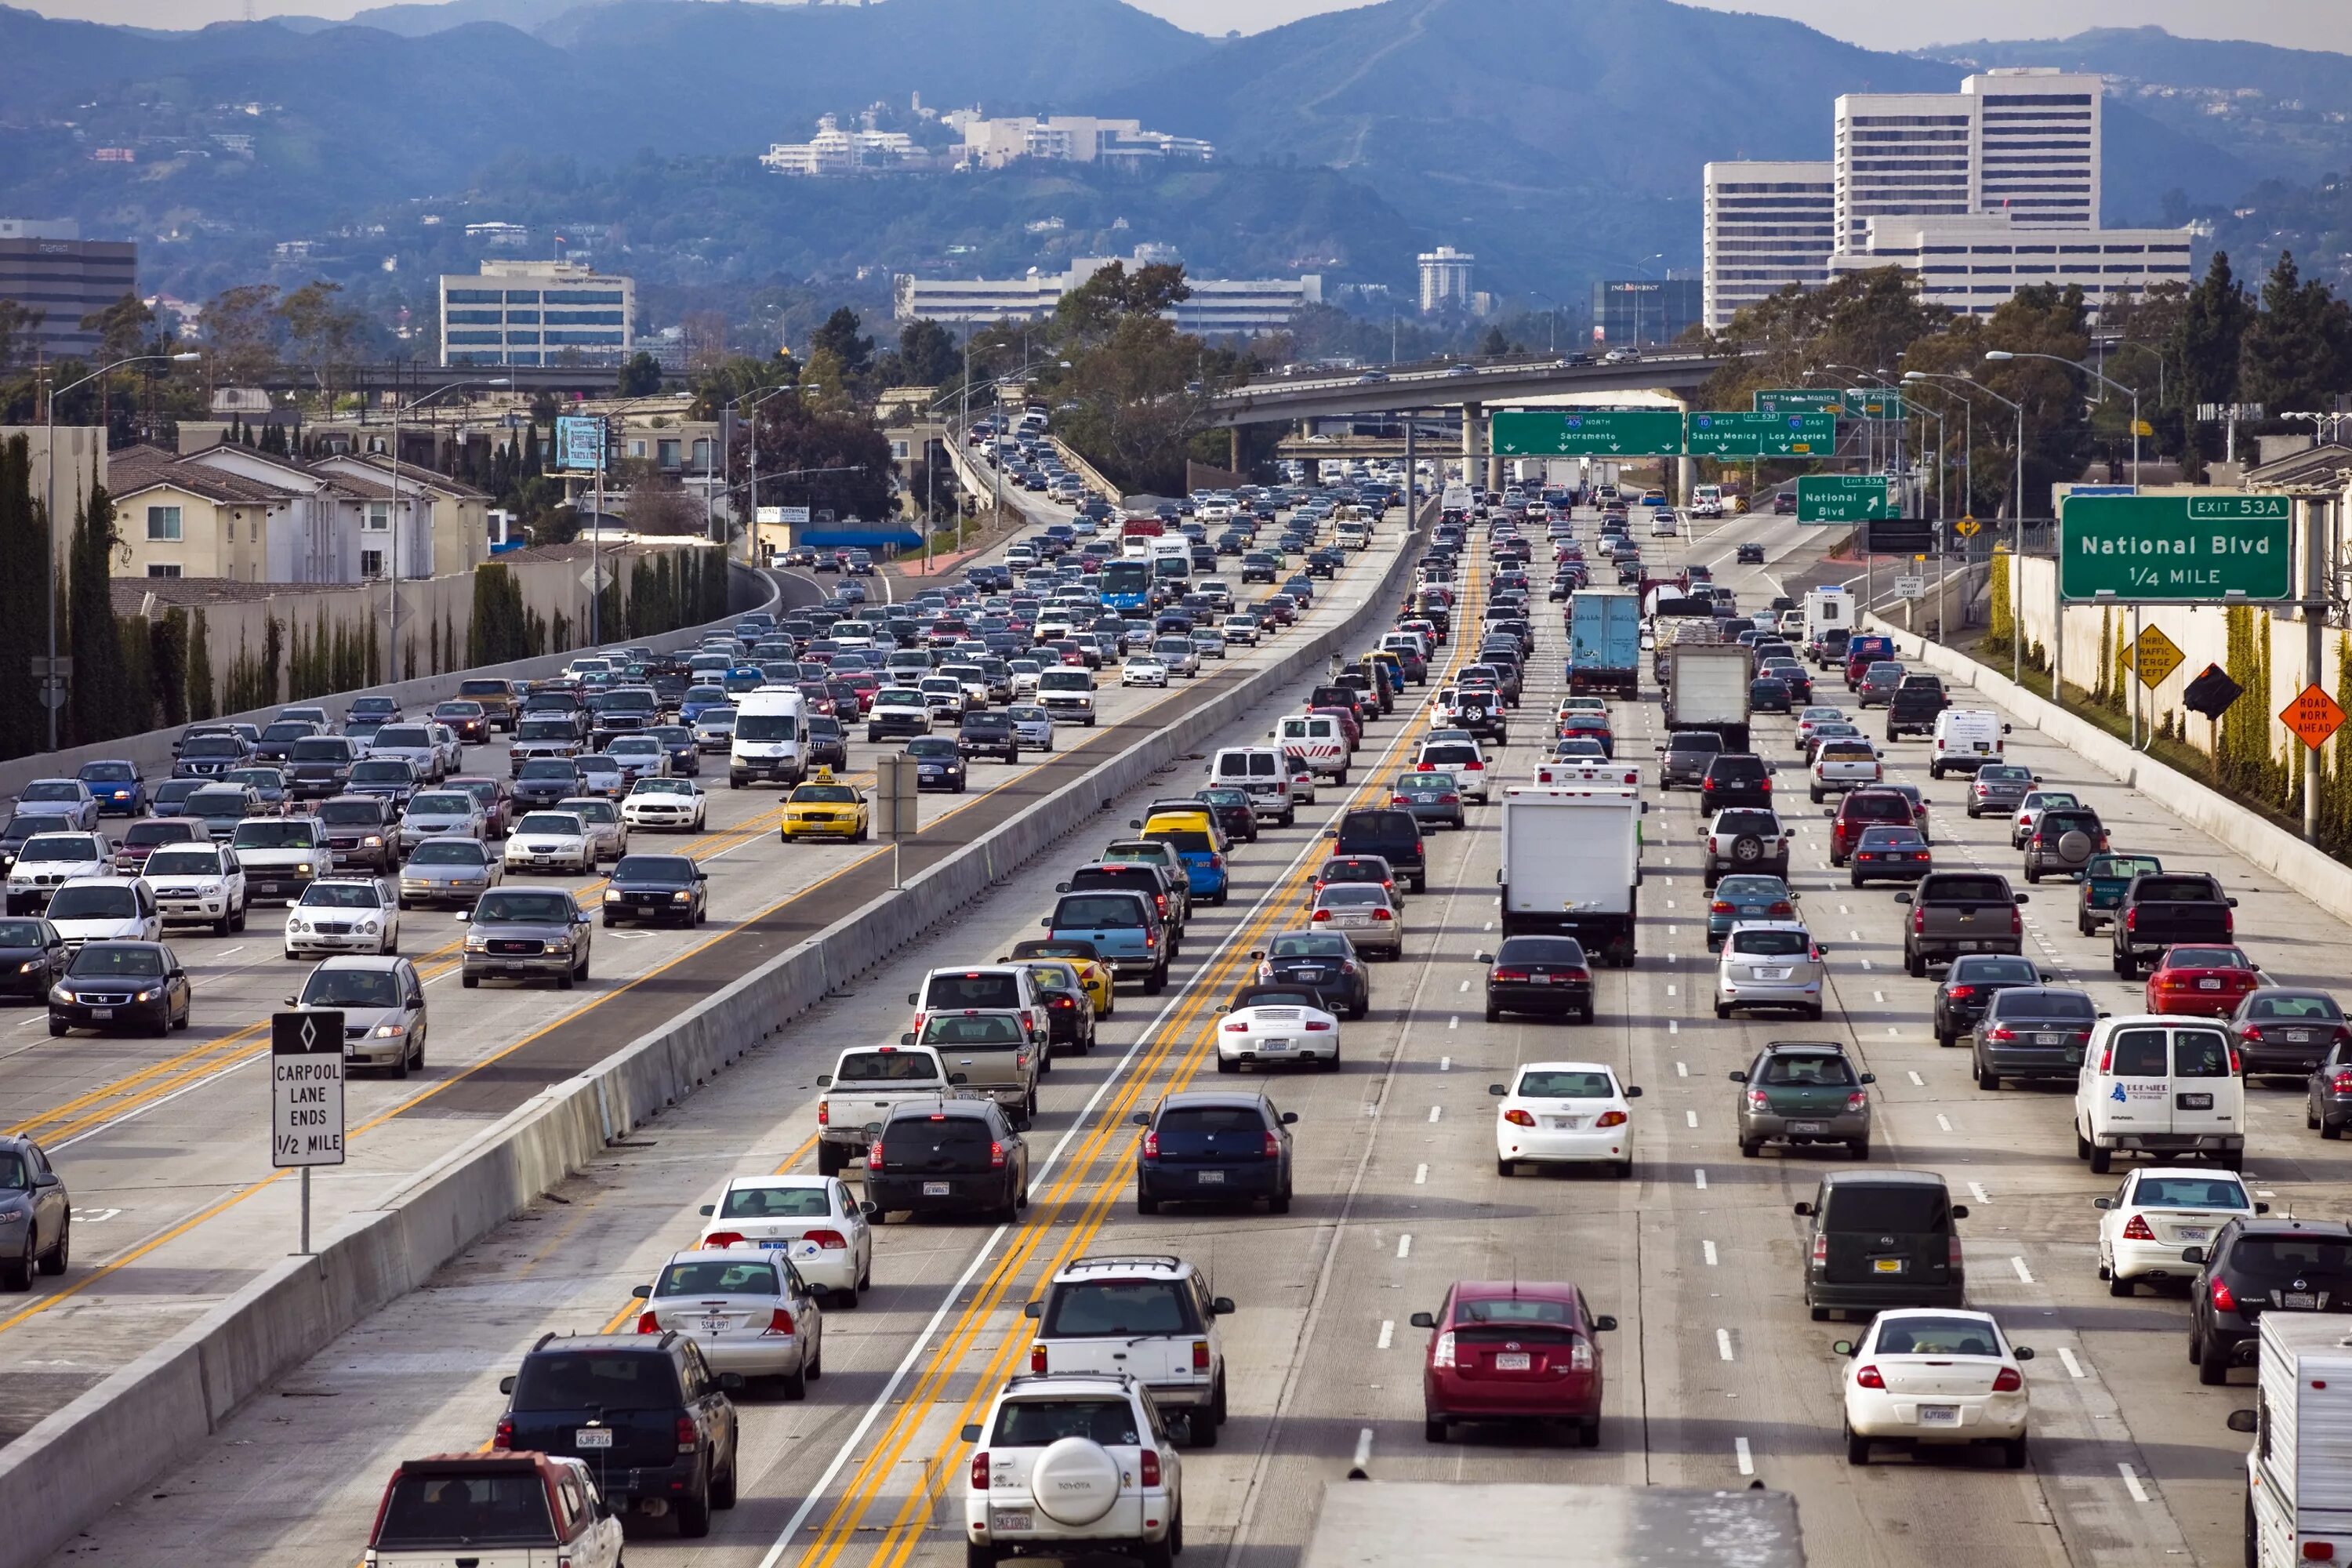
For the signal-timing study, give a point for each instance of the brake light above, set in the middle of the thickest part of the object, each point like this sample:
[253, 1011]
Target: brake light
[2234, 1069]
[1200, 1356]
[995, 1155]
[2224, 1301]
[2107, 1056]
[831, 1240]
[1960, 991]
[1953, 1259]
[1148, 1468]
[2001, 1034]
[2319, 1551]
[1151, 1145]
[980, 1471]
[689, 1435]
[2229, 923]
[1037, 1359]
[1757, 1100]
[723, 1238]
[1322, 914]
[2016, 921]
[1858, 1101]
[1609, 1119]
[2131, 920]
[1317, 1026]
[1783, 907]
[1443, 1355]
[504, 1436]
[1868, 1378]
[2136, 1229]
[1382, 915]
[1273, 1146]
[1720, 908]
[1398, 800]
[1519, 1118]
[2008, 1381]
[1919, 922]
[2252, 1033]
[2340, 1084]
[873, 1155]
[823, 1114]
[1236, 1026]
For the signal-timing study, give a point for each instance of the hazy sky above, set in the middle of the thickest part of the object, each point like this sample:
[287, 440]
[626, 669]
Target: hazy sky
[1879, 24]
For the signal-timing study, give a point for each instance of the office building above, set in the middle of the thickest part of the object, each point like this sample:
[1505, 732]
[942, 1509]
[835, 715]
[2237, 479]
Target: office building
[1446, 279]
[1070, 139]
[536, 313]
[1973, 264]
[49, 269]
[1768, 226]
[2022, 141]
[833, 150]
[1636, 312]
[1217, 306]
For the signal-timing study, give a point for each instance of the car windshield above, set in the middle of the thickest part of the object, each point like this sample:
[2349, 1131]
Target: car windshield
[1557, 1083]
[2207, 958]
[1748, 889]
[1100, 1309]
[437, 1513]
[558, 823]
[1916, 1209]
[51, 789]
[1966, 890]
[825, 795]
[21, 934]
[931, 746]
[340, 896]
[1353, 895]
[93, 902]
[667, 870]
[1037, 1423]
[280, 834]
[1892, 839]
[548, 768]
[440, 805]
[1937, 1336]
[100, 960]
[721, 1276]
[351, 988]
[449, 852]
[184, 860]
[2058, 1006]
[607, 1381]
[2293, 1005]
[351, 813]
[1989, 970]
[972, 1032]
[776, 1202]
[1310, 946]
[2189, 1193]
[1752, 943]
[521, 907]
[73, 848]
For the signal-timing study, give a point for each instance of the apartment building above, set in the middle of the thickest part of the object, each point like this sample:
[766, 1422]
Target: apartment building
[1446, 279]
[1768, 225]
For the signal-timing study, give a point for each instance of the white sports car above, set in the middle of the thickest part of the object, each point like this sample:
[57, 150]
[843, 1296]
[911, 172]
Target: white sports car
[666, 803]
[1278, 1023]
[1143, 669]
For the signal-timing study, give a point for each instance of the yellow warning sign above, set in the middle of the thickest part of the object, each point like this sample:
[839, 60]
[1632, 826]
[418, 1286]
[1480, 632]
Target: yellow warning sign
[2155, 657]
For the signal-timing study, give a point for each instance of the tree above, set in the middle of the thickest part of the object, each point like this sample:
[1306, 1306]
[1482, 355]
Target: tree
[97, 695]
[2297, 353]
[928, 353]
[23, 724]
[121, 328]
[2209, 348]
[323, 335]
[640, 377]
[792, 435]
[840, 337]
[18, 322]
[200, 695]
[1493, 345]
[242, 328]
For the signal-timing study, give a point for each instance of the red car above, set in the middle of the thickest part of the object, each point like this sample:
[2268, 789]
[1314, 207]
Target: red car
[1503, 1350]
[2205, 981]
[1864, 808]
[1347, 724]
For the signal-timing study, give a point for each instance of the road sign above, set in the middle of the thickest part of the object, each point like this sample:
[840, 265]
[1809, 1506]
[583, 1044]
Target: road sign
[2143, 428]
[1967, 527]
[1738, 434]
[1910, 587]
[1905, 536]
[2155, 657]
[2212, 692]
[2313, 716]
[1846, 498]
[1878, 407]
[306, 1089]
[578, 443]
[2176, 549]
[1587, 432]
[1799, 400]
[597, 576]
[896, 805]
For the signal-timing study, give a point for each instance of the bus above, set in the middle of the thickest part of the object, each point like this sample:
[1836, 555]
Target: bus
[1126, 584]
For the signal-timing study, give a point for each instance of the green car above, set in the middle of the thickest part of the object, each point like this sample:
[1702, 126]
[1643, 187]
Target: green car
[1432, 797]
[2105, 879]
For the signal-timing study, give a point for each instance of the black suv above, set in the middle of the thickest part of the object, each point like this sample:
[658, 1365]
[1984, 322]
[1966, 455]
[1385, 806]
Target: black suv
[2256, 1265]
[949, 1157]
[1914, 706]
[990, 730]
[666, 1427]
[1735, 778]
[1391, 832]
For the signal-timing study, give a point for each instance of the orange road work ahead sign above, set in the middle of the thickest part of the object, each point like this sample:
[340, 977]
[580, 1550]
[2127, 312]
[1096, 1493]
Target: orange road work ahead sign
[2313, 716]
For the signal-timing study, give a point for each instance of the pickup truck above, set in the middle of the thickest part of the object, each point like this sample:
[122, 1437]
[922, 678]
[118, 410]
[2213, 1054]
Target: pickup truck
[860, 1089]
[2105, 877]
[2164, 909]
[1953, 913]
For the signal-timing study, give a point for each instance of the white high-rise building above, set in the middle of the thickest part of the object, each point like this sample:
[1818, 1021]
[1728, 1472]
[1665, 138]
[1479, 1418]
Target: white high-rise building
[1768, 226]
[1902, 155]
[1446, 278]
[2037, 147]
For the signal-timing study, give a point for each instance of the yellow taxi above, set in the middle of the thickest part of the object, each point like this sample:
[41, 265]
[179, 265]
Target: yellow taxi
[825, 807]
[1079, 954]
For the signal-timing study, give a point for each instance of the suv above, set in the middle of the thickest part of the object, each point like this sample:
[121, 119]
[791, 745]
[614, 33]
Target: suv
[1881, 1239]
[1687, 753]
[362, 832]
[1181, 1157]
[1069, 1460]
[1736, 778]
[1746, 840]
[1152, 1317]
[1391, 832]
[526, 934]
[949, 1157]
[1803, 1092]
[644, 1410]
[1869, 807]
[990, 730]
[2258, 1265]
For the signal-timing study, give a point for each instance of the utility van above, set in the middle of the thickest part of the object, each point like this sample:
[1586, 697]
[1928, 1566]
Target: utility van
[2163, 1085]
[770, 740]
[1260, 771]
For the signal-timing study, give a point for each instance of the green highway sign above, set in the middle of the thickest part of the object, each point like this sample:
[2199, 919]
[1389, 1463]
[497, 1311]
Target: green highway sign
[1847, 497]
[2178, 549]
[1752, 435]
[1881, 408]
[1801, 400]
[1587, 432]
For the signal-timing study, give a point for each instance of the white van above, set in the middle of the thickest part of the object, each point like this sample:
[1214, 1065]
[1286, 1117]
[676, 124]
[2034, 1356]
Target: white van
[1965, 739]
[2159, 1084]
[770, 738]
[1318, 738]
[1353, 534]
[1258, 770]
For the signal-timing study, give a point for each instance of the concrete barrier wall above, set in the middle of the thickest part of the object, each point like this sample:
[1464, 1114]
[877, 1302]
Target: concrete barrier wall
[117, 1436]
[2325, 882]
[150, 752]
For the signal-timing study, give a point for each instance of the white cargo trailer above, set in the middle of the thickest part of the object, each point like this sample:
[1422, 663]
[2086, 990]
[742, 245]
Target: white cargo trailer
[2299, 1472]
[1573, 866]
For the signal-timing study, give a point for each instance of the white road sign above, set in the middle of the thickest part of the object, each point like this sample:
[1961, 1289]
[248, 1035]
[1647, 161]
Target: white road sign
[306, 1089]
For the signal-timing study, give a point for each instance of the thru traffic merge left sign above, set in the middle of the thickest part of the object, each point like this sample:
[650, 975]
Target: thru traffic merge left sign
[2313, 716]
[2155, 657]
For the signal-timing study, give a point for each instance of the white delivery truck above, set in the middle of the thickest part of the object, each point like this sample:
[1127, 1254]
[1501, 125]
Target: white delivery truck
[1825, 608]
[1573, 866]
[1707, 688]
[2299, 1471]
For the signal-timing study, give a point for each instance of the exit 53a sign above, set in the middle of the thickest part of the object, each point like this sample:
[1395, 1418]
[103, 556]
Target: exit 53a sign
[2177, 549]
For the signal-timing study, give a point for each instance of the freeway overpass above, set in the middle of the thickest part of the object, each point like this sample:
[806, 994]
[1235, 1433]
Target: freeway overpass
[1383, 392]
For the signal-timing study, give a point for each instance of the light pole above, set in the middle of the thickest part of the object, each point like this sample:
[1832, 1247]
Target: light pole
[750, 400]
[391, 636]
[53, 689]
[596, 534]
[1555, 316]
[2017, 538]
[2002, 356]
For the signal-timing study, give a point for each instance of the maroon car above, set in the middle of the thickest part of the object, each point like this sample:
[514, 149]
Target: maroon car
[1505, 1350]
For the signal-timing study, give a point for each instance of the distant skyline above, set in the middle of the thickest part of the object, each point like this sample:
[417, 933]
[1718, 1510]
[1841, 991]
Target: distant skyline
[1873, 23]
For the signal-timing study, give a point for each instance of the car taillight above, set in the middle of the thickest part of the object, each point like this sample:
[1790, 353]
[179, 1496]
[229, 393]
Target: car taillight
[1441, 1355]
[1400, 800]
[779, 1321]
[1037, 1361]
[2252, 1033]
[1609, 1119]
[995, 1155]
[1317, 1026]
[980, 1471]
[2131, 920]
[2224, 1301]
[690, 1437]
[2235, 1069]
[504, 1436]
[1519, 1118]
[1148, 1468]
[1322, 914]
[2008, 1381]
[1720, 908]
[873, 1155]
[1382, 915]
[2136, 1229]
[1236, 1026]
[723, 1238]
[831, 1240]
[1757, 1100]
[2229, 923]
[1511, 976]
[2016, 921]
[1151, 1145]
[1919, 922]
[2107, 1058]
[1273, 1146]
[1868, 1378]
[1858, 1101]
[2319, 1551]
[1953, 1259]
[1200, 1356]
[2340, 1084]
[1998, 1033]
[823, 1114]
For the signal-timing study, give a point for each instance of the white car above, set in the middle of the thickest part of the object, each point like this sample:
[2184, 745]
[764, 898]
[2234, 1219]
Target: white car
[641, 756]
[549, 841]
[106, 909]
[46, 861]
[1033, 724]
[344, 914]
[1564, 1113]
[1025, 672]
[1064, 1459]
[943, 698]
[1280, 1025]
[746, 1309]
[1240, 629]
[608, 836]
[2030, 810]
[1463, 758]
[1143, 669]
[2160, 1210]
[665, 804]
[816, 1221]
[200, 884]
[1935, 1374]
[1769, 963]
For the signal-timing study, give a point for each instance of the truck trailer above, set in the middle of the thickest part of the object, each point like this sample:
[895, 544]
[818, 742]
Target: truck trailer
[1573, 866]
[1707, 688]
[2299, 1471]
[1604, 643]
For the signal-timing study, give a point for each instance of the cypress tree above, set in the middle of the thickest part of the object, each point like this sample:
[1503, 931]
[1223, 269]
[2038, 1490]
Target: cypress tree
[167, 664]
[200, 694]
[95, 695]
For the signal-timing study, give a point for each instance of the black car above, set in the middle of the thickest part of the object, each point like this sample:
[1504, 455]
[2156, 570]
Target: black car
[2256, 1265]
[1325, 962]
[23, 826]
[2030, 1031]
[1969, 987]
[1216, 1146]
[1390, 832]
[111, 985]
[645, 1411]
[949, 1157]
[1236, 817]
[939, 763]
[32, 956]
[1549, 974]
[825, 746]
[1769, 694]
[1748, 554]
[989, 730]
[543, 781]
[1881, 1239]
[1735, 778]
[657, 889]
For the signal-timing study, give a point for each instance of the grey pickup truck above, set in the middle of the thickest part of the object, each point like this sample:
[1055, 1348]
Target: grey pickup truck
[1953, 913]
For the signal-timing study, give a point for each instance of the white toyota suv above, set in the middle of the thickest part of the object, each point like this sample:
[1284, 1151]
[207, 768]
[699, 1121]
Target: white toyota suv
[1150, 1316]
[1065, 1461]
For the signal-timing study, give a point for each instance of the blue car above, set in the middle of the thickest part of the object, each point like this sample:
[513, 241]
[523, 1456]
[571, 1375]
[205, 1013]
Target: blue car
[1204, 862]
[1747, 896]
[118, 786]
[1126, 931]
[678, 741]
[1214, 1146]
[700, 699]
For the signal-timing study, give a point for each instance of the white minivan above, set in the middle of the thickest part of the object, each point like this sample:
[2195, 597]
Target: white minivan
[770, 738]
[1258, 770]
[1965, 739]
[2159, 1084]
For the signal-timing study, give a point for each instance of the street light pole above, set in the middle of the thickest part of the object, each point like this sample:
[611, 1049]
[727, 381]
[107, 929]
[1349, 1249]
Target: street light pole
[2001, 356]
[392, 635]
[2017, 546]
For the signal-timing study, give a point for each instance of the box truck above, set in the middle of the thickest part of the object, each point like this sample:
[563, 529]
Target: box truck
[1827, 607]
[1707, 688]
[2299, 1471]
[1605, 642]
[1573, 866]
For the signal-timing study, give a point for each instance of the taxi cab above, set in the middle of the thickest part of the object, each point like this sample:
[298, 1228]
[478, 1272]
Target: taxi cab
[1094, 973]
[1198, 838]
[824, 807]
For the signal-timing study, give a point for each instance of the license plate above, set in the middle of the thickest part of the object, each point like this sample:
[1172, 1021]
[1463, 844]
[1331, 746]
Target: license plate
[1806, 1126]
[1940, 1416]
[1887, 1264]
[1564, 1124]
[1275, 1045]
[2049, 1039]
[593, 1437]
[2194, 1232]
[1514, 1360]
[1212, 1178]
[936, 1189]
[1771, 974]
[2195, 1102]
[2296, 1037]
[102, 1012]
[714, 1325]
[2208, 985]
[2299, 1300]
[1964, 946]
[1011, 1519]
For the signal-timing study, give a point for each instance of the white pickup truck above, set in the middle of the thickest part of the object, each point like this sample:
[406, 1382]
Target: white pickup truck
[862, 1088]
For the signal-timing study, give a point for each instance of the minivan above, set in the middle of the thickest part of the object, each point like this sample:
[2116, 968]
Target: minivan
[1392, 833]
[2159, 1084]
[1881, 1239]
[1258, 770]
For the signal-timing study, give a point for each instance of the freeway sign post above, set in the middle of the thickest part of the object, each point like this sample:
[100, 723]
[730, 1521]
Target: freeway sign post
[2176, 549]
[1801, 400]
[1738, 434]
[306, 1095]
[1588, 433]
[1846, 498]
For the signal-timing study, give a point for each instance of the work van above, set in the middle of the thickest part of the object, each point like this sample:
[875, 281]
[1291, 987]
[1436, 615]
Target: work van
[1965, 740]
[1881, 1239]
[2163, 1085]
[1318, 738]
[770, 740]
[1260, 771]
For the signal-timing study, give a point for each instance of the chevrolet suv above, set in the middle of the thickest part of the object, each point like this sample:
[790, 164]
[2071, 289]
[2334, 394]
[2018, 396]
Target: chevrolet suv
[644, 1410]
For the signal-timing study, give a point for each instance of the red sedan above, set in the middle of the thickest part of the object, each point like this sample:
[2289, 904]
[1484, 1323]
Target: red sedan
[1348, 724]
[2206, 982]
[1503, 1350]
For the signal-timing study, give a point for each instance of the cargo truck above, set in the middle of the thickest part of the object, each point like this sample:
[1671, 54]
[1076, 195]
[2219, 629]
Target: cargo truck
[2299, 1471]
[1825, 608]
[1573, 866]
[1605, 642]
[1707, 688]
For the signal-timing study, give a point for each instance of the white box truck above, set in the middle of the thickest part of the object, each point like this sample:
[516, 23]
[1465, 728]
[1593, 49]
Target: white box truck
[2299, 1471]
[1707, 688]
[1573, 866]
[1827, 607]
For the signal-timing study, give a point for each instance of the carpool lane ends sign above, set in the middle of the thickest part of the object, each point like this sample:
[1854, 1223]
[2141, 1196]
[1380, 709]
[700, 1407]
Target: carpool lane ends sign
[2179, 549]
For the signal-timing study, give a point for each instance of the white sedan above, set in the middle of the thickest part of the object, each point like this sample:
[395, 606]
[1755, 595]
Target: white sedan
[1278, 1023]
[342, 914]
[1936, 1376]
[658, 802]
[1564, 1113]
[551, 841]
[2158, 1212]
[813, 1220]
[1143, 669]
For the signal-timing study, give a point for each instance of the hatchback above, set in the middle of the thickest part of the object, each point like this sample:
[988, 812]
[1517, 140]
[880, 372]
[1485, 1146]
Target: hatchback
[1515, 1351]
[1742, 898]
[2256, 1265]
[1769, 963]
[1213, 1145]
[1803, 1093]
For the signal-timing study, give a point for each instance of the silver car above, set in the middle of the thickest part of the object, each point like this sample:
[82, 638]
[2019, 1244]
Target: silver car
[1769, 963]
[1033, 724]
[608, 836]
[412, 744]
[1365, 912]
[1179, 655]
[449, 871]
[2030, 810]
[527, 933]
[746, 1309]
[1998, 787]
[441, 814]
[641, 756]
[382, 1000]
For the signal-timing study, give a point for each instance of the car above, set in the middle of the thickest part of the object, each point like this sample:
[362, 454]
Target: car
[200, 884]
[1742, 898]
[465, 719]
[2327, 1095]
[1522, 1352]
[1143, 669]
[281, 856]
[1094, 973]
[2158, 1085]
[382, 1000]
[452, 871]
[640, 756]
[815, 1221]
[1969, 987]
[1368, 914]
[1881, 1240]
[1844, 764]
[959, 1156]
[47, 859]
[116, 786]
[1152, 1317]
[1564, 1113]
[1430, 797]
[1324, 962]
[656, 889]
[36, 1213]
[1929, 1377]
[1213, 1145]
[551, 841]
[1889, 855]
[670, 1446]
[1276, 1021]
[536, 1506]
[1803, 1093]
[747, 1309]
[1746, 842]
[526, 934]
[601, 775]
[2207, 982]
[2030, 1031]
[344, 914]
[2254, 1265]
[665, 804]
[989, 731]
[2030, 809]
[1686, 757]
[434, 813]
[2158, 1210]
[1769, 963]
[2062, 841]
[111, 985]
[1550, 975]
[939, 763]
[1033, 725]
[1065, 1463]
[68, 801]
[1748, 553]
[1999, 788]
[1880, 682]
[1871, 806]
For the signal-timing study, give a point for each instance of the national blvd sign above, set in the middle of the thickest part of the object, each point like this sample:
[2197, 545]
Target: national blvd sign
[2176, 549]
[1846, 498]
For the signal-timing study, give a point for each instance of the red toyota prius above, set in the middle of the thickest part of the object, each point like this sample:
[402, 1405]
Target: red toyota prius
[1503, 1350]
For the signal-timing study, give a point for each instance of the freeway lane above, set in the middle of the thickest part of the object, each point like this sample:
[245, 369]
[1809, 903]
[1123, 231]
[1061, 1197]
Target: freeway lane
[163, 1143]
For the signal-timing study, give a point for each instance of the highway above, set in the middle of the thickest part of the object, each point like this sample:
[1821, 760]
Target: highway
[1717, 1376]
